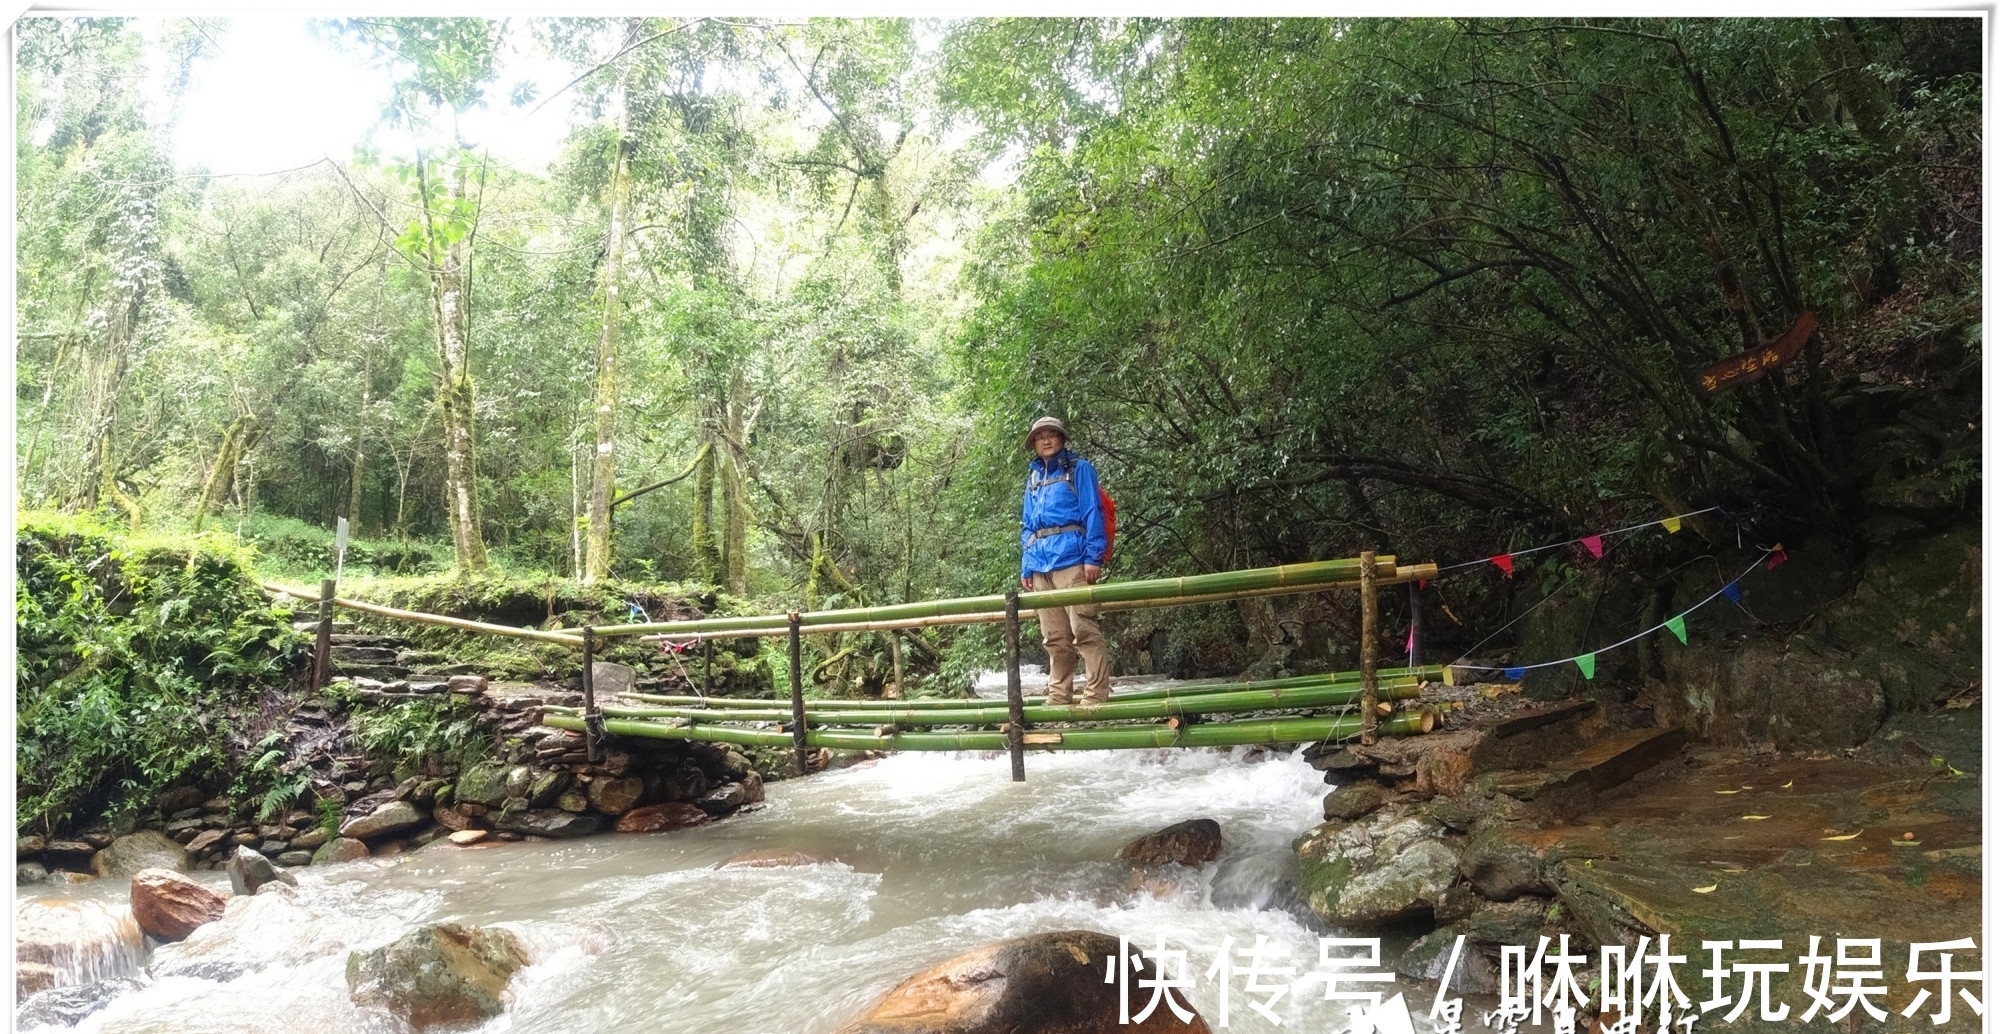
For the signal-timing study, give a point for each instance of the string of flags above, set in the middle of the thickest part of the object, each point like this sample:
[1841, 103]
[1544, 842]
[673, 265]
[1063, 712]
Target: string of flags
[1593, 543]
[1587, 662]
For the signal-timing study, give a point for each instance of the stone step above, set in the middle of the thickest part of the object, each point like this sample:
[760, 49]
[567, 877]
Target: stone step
[1599, 765]
[312, 625]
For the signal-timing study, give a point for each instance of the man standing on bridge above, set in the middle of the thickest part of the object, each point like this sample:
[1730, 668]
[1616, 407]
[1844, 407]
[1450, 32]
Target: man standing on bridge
[1064, 545]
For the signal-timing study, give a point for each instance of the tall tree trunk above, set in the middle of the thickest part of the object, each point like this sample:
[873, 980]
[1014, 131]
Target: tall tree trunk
[707, 560]
[597, 556]
[367, 399]
[450, 316]
[735, 488]
[223, 473]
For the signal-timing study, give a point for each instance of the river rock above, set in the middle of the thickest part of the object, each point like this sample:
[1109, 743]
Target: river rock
[1387, 867]
[452, 819]
[519, 780]
[467, 837]
[547, 787]
[29, 845]
[340, 849]
[29, 872]
[1049, 983]
[1502, 867]
[295, 858]
[1427, 957]
[548, 822]
[1355, 800]
[249, 870]
[392, 817]
[611, 678]
[179, 798]
[205, 840]
[616, 796]
[484, 783]
[723, 799]
[773, 858]
[573, 802]
[753, 785]
[443, 974]
[170, 906]
[146, 849]
[311, 839]
[655, 818]
[67, 1006]
[1193, 843]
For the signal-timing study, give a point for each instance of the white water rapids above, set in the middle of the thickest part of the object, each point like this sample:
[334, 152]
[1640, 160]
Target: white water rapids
[936, 853]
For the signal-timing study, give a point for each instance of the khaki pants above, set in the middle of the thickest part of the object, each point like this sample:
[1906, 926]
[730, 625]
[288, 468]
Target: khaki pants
[1067, 632]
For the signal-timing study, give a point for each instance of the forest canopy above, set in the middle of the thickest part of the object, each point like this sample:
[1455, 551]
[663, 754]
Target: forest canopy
[776, 315]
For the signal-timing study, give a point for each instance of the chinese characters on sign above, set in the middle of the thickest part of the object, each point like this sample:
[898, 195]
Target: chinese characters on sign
[1745, 367]
[1563, 990]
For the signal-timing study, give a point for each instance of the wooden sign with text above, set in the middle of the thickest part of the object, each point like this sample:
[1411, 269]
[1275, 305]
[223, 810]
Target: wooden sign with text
[1742, 369]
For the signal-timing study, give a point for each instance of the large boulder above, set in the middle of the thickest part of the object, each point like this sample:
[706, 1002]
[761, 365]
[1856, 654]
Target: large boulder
[656, 818]
[1193, 843]
[384, 819]
[1390, 866]
[1355, 800]
[170, 906]
[1049, 983]
[1503, 866]
[249, 870]
[616, 796]
[548, 822]
[146, 849]
[484, 783]
[443, 974]
[340, 849]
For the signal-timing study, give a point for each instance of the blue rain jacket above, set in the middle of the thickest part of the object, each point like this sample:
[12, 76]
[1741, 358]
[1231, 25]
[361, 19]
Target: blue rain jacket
[1061, 492]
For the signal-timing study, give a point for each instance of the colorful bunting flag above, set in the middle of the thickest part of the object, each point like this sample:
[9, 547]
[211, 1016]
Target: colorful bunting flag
[1679, 628]
[1410, 644]
[1672, 524]
[1777, 557]
[1449, 678]
[1588, 662]
[1734, 592]
[1421, 582]
[1515, 674]
[1505, 562]
[1594, 543]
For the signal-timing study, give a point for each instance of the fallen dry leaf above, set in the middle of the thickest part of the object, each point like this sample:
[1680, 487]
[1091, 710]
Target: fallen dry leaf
[1844, 836]
[1755, 818]
[1907, 843]
[1734, 836]
[1710, 889]
[1728, 791]
[1788, 784]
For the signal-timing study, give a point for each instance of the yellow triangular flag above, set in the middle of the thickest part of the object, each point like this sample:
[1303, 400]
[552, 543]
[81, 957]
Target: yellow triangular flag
[1448, 680]
[1673, 524]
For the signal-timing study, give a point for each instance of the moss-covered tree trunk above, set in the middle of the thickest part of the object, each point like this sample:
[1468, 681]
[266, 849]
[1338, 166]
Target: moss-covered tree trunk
[603, 463]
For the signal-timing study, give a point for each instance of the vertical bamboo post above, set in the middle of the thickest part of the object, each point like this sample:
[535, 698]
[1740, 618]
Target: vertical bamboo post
[1015, 720]
[707, 666]
[798, 697]
[1368, 685]
[896, 659]
[593, 721]
[323, 644]
[1416, 625]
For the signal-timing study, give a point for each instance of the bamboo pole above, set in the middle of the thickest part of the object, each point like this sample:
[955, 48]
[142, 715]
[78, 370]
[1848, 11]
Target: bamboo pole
[1218, 734]
[1004, 714]
[1160, 591]
[323, 636]
[1429, 673]
[566, 638]
[1368, 682]
[799, 742]
[1017, 723]
[1405, 573]
[593, 719]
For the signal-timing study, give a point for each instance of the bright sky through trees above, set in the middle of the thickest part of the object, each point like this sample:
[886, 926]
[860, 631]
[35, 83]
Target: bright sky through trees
[275, 95]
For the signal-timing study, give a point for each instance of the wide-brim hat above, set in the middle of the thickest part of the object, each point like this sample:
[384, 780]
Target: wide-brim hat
[1047, 423]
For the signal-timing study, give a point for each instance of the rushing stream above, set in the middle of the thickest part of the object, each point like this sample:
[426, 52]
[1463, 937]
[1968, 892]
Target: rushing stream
[935, 853]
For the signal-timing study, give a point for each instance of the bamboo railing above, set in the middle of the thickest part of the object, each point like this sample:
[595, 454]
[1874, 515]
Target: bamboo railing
[1171, 716]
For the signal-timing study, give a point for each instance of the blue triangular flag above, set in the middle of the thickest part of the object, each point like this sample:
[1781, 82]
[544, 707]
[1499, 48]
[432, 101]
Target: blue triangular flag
[1734, 592]
[1515, 674]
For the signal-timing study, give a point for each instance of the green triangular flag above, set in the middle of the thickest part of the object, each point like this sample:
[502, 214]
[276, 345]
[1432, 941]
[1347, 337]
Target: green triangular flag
[1588, 662]
[1679, 628]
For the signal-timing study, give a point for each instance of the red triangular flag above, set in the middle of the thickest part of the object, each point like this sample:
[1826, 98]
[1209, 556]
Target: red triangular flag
[1594, 543]
[1421, 582]
[1777, 557]
[1410, 644]
[1505, 562]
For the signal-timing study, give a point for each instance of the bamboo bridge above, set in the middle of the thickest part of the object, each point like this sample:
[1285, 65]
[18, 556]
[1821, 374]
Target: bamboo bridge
[1367, 703]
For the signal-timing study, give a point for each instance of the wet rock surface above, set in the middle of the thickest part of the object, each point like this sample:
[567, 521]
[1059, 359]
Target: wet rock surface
[439, 975]
[1193, 843]
[1051, 983]
[170, 906]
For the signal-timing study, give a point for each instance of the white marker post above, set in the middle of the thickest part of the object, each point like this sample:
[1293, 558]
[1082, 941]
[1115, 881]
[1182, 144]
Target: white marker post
[339, 548]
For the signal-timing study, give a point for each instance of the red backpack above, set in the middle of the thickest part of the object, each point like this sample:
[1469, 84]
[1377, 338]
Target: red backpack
[1110, 522]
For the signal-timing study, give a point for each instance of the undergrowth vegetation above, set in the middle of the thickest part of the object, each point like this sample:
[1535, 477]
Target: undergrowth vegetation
[135, 655]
